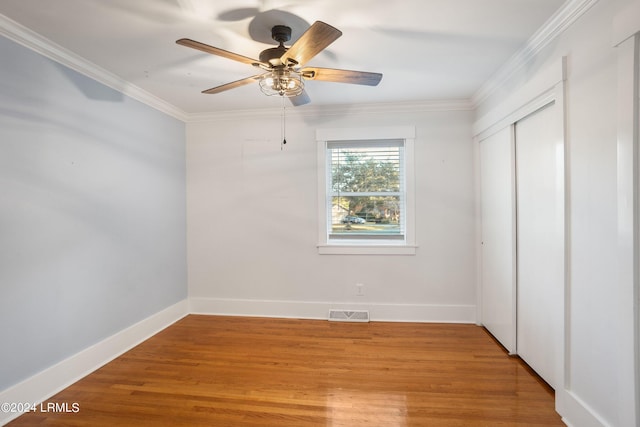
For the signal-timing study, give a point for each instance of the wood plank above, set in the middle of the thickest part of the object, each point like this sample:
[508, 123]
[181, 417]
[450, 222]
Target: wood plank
[238, 371]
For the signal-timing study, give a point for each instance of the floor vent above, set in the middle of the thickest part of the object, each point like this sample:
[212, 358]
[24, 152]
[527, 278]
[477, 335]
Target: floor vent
[349, 315]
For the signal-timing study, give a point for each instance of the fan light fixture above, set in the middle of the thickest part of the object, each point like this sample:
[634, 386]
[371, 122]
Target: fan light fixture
[283, 82]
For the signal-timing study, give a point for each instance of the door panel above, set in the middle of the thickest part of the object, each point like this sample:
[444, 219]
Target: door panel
[540, 241]
[498, 242]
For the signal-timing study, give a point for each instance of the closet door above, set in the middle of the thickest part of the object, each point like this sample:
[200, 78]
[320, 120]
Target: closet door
[540, 241]
[498, 237]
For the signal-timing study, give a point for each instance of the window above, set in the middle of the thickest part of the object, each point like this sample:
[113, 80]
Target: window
[365, 191]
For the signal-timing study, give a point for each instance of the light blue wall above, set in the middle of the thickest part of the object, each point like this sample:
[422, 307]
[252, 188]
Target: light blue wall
[92, 212]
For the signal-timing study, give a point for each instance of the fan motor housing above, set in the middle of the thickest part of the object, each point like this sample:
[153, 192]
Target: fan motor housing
[281, 34]
[273, 55]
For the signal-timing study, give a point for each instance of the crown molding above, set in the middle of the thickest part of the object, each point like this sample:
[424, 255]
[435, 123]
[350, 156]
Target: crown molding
[337, 110]
[552, 29]
[36, 42]
[555, 26]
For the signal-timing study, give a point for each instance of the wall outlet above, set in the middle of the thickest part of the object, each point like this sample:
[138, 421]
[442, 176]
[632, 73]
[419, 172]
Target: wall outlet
[360, 289]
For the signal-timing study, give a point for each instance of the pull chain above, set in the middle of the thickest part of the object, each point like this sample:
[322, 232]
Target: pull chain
[283, 128]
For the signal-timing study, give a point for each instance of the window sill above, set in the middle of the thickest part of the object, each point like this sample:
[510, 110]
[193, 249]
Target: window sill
[366, 250]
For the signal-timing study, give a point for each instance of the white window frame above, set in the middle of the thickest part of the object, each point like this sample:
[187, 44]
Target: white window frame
[328, 246]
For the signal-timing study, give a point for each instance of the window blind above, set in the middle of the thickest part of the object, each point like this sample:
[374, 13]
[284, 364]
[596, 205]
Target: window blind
[366, 189]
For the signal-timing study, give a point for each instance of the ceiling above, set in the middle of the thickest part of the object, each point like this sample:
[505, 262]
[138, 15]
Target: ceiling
[426, 49]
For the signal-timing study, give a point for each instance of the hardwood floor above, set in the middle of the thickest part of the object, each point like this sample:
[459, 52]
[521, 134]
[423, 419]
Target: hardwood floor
[238, 371]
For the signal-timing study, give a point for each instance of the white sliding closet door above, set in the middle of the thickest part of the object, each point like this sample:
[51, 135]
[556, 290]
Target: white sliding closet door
[498, 237]
[540, 241]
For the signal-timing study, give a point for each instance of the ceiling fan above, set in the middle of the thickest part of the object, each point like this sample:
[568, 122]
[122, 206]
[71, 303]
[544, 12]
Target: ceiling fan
[284, 68]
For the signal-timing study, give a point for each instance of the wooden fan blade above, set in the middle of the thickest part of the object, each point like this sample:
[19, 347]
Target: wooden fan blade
[341, 76]
[220, 52]
[311, 43]
[301, 99]
[232, 85]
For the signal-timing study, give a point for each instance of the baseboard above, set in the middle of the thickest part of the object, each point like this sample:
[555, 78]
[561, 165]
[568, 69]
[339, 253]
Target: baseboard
[575, 412]
[320, 310]
[61, 375]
